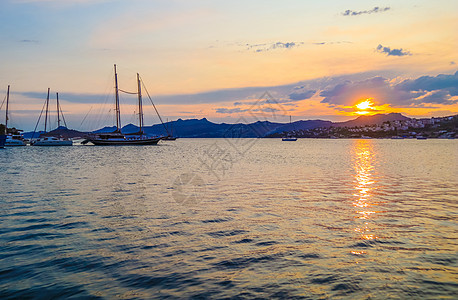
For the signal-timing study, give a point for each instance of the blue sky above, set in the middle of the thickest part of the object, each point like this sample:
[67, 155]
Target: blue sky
[213, 58]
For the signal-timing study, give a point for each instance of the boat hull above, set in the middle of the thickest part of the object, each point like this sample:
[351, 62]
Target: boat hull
[120, 142]
[2, 140]
[10, 142]
[53, 143]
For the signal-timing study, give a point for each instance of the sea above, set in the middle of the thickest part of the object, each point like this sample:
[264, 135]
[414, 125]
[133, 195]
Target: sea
[231, 219]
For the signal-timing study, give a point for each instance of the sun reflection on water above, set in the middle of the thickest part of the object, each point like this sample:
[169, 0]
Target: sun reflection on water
[363, 157]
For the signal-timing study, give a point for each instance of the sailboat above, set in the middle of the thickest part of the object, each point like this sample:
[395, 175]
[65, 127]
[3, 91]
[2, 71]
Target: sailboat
[117, 137]
[46, 139]
[13, 137]
[169, 136]
[289, 138]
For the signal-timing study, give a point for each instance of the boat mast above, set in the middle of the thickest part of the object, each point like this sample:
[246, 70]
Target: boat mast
[140, 107]
[6, 116]
[118, 113]
[58, 115]
[47, 106]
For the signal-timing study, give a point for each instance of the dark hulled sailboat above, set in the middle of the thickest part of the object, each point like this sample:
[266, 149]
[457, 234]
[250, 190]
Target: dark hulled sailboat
[117, 137]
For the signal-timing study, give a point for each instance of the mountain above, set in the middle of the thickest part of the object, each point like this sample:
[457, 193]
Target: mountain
[372, 120]
[202, 128]
[106, 129]
[60, 131]
[301, 125]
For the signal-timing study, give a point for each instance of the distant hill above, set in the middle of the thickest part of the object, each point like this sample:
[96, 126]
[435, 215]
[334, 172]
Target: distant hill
[61, 131]
[202, 128]
[372, 120]
[66, 133]
[301, 125]
[105, 129]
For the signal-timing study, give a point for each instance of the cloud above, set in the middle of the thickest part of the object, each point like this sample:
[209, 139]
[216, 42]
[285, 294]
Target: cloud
[265, 109]
[376, 9]
[442, 82]
[223, 110]
[409, 93]
[29, 41]
[272, 46]
[439, 97]
[347, 93]
[392, 52]
[237, 96]
[298, 96]
[70, 97]
[61, 2]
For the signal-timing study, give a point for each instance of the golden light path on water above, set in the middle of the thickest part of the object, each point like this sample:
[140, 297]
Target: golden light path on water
[365, 185]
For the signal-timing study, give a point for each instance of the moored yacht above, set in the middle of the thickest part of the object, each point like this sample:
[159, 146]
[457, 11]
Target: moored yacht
[117, 137]
[51, 141]
[13, 140]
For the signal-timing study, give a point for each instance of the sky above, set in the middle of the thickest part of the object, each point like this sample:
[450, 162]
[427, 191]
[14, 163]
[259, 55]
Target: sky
[228, 61]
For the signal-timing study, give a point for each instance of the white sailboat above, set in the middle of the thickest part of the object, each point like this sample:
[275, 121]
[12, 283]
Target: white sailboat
[13, 137]
[117, 137]
[289, 138]
[169, 136]
[50, 140]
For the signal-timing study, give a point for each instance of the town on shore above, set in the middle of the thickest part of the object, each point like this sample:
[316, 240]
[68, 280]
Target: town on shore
[442, 127]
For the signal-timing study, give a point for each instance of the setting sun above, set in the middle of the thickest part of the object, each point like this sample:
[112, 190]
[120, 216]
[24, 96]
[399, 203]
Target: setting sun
[367, 104]
[365, 107]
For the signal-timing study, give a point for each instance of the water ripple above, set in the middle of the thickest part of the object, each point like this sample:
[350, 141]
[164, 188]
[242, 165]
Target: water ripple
[318, 219]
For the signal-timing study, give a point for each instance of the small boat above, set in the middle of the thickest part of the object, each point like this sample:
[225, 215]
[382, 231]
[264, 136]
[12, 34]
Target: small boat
[169, 136]
[47, 139]
[420, 137]
[117, 137]
[289, 138]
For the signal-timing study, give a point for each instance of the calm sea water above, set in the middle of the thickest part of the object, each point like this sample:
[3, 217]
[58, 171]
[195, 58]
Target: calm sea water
[239, 218]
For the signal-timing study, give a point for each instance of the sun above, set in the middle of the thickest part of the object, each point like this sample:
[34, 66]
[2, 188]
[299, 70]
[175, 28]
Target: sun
[366, 104]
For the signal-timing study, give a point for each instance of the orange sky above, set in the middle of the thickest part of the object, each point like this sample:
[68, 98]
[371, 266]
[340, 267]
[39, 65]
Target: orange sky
[214, 59]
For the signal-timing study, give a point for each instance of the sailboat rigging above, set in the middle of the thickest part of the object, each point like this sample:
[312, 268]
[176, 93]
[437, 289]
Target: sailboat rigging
[289, 137]
[45, 138]
[117, 137]
[169, 136]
